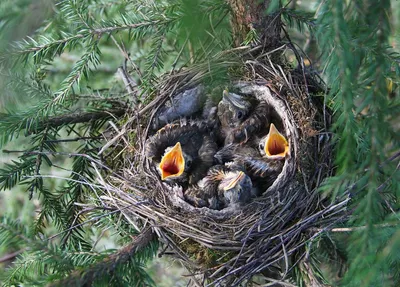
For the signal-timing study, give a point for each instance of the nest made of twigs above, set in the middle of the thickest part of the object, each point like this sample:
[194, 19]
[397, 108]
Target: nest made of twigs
[231, 245]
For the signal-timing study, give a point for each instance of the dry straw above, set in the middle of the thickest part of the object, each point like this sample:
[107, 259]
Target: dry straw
[230, 246]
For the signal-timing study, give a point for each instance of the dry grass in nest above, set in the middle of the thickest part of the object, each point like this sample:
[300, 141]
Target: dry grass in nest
[244, 241]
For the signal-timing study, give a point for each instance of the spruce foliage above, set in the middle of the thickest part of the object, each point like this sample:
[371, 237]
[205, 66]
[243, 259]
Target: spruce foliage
[61, 115]
[363, 71]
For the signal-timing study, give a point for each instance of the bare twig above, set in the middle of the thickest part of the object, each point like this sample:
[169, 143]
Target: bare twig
[129, 83]
[74, 139]
[355, 228]
[11, 256]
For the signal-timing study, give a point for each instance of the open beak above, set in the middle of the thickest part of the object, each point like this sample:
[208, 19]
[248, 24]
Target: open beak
[276, 146]
[172, 163]
[235, 181]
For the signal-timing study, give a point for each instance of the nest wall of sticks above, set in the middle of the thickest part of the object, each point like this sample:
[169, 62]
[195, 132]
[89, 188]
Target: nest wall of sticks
[226, 175]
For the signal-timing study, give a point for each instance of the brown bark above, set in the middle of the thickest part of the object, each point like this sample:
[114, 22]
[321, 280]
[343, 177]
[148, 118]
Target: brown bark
[251, 14]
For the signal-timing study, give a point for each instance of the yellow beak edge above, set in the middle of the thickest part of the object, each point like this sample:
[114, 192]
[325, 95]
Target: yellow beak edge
[276, 146]
[172, 163]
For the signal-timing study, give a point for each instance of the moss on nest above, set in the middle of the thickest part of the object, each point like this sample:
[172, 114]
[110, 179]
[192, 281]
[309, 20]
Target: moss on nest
[205, 257]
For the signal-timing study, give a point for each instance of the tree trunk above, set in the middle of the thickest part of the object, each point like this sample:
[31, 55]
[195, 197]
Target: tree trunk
[252, 14]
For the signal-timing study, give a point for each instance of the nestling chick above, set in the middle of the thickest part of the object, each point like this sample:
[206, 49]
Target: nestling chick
[174, 162]
[184, 151]
[264, 165]
[257, 121]
[230, 151]
[235, 188]
[233, 109]
[221, 187]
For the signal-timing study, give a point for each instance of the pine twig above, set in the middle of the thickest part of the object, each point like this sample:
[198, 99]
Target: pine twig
[90, 32]
[108, 264]
[76, 118]
[81, 117]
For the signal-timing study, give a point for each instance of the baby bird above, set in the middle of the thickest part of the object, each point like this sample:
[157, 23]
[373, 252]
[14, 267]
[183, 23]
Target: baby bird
[174, 162]
[221, 187]
[273, 149]
[262, 160]
[183, 151]
[233, 109]
[236, 188]
[241, 117]
[257, 121]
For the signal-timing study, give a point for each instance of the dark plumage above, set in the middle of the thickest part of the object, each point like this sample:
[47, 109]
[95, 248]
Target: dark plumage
[262, 171]
[230, 151]
[184, 104]
[241, 117]
[205, 192]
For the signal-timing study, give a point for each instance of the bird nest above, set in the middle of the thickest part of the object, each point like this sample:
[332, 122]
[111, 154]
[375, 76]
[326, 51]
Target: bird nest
[230, 245]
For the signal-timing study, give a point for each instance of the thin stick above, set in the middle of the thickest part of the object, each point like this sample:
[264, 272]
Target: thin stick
[11, 256]
[356, 228]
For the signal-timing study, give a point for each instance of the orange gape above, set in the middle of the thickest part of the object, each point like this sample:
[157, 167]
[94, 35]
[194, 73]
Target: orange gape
[276, 145]
[170, 168]
[172, 163]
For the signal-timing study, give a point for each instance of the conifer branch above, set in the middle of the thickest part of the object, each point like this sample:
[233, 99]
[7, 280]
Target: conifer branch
[109, 265]
[80, 117]
[11, 174]
[298, 18]
[12, 122]
[32, 46]
[74, 139]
